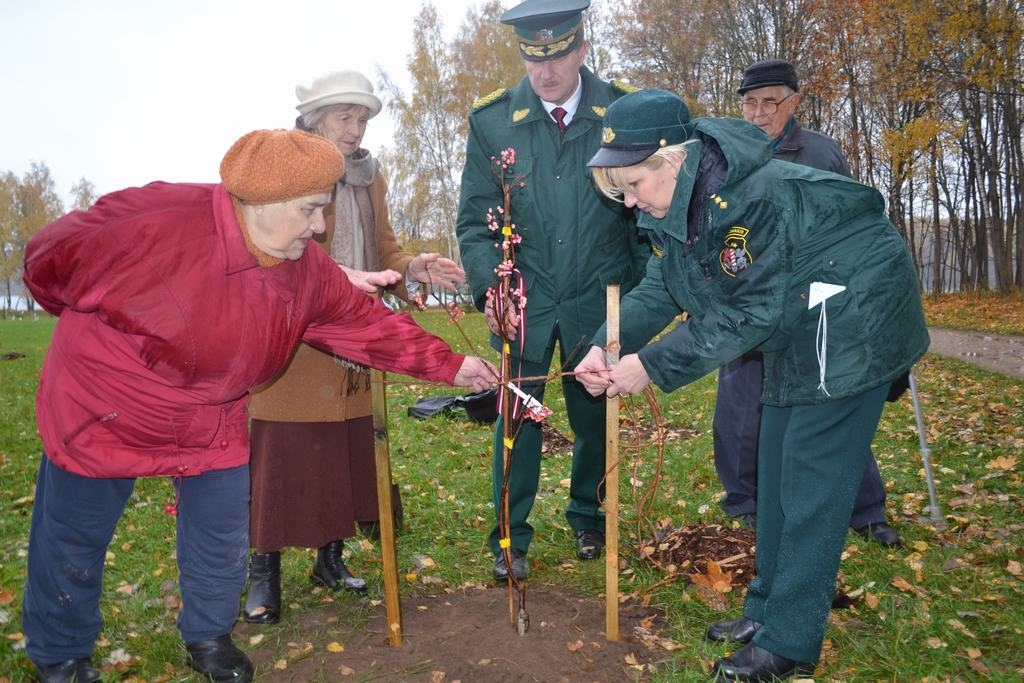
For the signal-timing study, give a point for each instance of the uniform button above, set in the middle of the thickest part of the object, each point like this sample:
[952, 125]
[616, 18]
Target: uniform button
[561, 241]
[224, 444]
[832, 263]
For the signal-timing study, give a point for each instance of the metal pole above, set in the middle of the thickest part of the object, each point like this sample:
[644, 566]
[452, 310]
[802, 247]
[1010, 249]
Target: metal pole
[935, 513]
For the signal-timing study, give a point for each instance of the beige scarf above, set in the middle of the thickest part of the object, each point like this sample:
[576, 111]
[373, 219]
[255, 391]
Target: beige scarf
[355, 227]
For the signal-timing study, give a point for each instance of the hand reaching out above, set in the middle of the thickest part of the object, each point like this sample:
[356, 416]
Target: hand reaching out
[476, 374]
[592, 372]
[370, 280]
[627, 378]
[436, 270]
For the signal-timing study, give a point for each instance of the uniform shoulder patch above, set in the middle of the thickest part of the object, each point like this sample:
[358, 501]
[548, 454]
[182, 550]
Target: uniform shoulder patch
[623, 87]
[482, 102]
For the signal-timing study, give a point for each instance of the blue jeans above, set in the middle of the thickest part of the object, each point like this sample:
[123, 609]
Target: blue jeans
[73, 522]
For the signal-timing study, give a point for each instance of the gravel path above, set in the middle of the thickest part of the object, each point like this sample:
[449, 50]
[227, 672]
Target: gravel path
[996, 352]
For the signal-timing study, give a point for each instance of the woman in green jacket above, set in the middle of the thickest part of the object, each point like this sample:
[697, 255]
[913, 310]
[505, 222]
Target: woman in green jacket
[800, 264]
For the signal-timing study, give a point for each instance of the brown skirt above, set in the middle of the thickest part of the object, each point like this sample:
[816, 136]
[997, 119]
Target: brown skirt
[311, 482]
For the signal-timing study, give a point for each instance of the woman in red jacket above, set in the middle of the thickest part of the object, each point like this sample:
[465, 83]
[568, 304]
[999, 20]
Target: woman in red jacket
[174, 300]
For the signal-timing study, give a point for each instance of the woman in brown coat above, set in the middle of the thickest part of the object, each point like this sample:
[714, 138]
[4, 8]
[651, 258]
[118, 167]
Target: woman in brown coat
[312, 467]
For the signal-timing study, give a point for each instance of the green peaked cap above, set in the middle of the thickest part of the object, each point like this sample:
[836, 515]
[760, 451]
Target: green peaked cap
[639, 124]
[547, 29]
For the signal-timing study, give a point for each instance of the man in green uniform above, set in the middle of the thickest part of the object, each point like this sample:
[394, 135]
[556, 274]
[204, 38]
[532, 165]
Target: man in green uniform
[574, 242]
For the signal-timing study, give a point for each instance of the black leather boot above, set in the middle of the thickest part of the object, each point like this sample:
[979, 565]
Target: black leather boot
[263, 601]
[372, 529]
[71, 671]
[330, 570]
[219, 659]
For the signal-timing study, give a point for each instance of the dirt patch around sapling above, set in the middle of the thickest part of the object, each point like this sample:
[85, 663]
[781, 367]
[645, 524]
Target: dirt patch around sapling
[466, 635]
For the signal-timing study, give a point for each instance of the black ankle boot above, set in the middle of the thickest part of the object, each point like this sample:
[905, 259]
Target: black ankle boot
[263, 601]
[71, 671]
[219, 659]
[330, 570]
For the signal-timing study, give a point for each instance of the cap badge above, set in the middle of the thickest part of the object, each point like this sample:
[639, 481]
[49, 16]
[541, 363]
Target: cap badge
[607, 136]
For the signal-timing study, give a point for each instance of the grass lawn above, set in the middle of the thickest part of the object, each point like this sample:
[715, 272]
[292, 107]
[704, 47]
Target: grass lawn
[949, 606]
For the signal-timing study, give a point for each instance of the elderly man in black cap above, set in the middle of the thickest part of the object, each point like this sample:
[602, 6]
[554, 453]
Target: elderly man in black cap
[574, 242]
[770, 95]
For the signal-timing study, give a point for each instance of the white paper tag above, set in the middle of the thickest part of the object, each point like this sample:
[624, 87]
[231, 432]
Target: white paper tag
[820, 291]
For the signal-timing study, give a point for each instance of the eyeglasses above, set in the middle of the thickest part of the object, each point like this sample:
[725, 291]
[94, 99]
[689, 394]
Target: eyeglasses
[769, 107]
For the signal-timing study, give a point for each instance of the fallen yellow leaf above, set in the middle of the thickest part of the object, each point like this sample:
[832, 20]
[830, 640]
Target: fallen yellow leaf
[335, 646]
[1004, 463]
[281, 664]
[901, 583]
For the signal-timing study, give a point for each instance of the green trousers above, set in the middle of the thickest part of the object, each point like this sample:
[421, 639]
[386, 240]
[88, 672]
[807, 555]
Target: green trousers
[811, 458]
[587, 419]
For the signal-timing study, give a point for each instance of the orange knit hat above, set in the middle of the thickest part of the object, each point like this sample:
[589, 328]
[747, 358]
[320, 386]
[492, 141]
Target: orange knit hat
[270, 166]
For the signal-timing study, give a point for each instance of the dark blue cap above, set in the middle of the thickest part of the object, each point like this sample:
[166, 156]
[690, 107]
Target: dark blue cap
[769, 72]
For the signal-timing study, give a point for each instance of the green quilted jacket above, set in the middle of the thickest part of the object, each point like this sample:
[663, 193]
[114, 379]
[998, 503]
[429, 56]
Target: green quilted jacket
[749, 247]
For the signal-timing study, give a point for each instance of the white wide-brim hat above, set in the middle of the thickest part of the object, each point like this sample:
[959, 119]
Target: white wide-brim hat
[340, 87]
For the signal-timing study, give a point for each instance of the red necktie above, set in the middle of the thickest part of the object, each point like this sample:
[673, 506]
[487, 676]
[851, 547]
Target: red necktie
[559, 115]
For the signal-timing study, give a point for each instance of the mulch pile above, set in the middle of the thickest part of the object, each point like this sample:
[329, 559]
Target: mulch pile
[689, 550]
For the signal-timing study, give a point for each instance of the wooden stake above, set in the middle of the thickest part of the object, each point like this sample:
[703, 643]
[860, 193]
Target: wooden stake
[611, 480]
[384, 505]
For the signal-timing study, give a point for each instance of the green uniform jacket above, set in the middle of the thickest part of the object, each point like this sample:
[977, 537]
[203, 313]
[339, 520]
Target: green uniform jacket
[574, 240]
[742, 261]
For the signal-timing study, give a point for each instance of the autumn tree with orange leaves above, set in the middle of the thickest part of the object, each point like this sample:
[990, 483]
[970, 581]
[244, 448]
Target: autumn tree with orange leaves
[925, 98]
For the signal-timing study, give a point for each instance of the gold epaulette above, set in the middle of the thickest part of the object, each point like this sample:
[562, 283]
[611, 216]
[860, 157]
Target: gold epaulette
[482, 102]
[623, 87]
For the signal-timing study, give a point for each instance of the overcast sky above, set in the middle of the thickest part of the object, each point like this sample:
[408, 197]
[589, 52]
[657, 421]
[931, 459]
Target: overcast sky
[123, 92]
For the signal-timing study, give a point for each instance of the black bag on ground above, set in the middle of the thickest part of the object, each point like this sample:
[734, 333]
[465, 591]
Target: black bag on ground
[481, 406]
